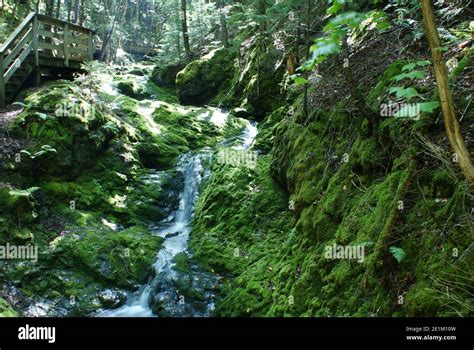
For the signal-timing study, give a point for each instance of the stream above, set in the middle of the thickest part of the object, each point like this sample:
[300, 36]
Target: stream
[161, 292]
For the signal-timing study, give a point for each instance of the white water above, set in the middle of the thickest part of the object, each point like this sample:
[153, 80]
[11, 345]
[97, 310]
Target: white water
[161, 287]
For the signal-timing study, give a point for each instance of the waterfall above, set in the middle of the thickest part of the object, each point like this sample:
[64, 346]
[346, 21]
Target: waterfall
[176, 236]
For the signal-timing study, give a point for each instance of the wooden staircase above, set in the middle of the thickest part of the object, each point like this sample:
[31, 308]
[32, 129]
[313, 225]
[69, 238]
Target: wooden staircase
[41, 44]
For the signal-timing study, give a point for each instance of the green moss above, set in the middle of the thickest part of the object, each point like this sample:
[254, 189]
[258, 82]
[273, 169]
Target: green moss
[201, 80]
[6, 310]
[123, 258]
[128, 88]
[255, 86]
[181, 263]
[421, 300]
[241, 239]
[166, 76]
[342, 186]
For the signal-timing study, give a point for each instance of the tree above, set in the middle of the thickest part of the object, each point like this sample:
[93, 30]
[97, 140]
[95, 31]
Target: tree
[76, 11]
[262, 13]
[120, 10]
[223, 20]
[184, 28]
[451, 122]
[49, 9]
[58, 9]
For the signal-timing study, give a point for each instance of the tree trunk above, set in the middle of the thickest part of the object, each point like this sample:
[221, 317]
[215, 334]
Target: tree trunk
[262, 11]
[82, 13]
[58, 9]
[69, 9]
[49, 11]
[309, 11]
[119, 14]
[184, 27]
[451, 122]
[224, 31]
[76, 11]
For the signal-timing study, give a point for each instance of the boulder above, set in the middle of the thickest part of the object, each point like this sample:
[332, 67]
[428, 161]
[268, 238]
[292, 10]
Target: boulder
[111, 299]
[201, 80]
[166, 76]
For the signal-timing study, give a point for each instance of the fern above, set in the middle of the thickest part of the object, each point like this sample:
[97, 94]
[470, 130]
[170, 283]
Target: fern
[398, 253]
[45, 149]
[23, 193]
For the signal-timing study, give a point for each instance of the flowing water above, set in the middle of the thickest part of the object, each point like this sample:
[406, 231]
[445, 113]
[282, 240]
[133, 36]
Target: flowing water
[161, 292]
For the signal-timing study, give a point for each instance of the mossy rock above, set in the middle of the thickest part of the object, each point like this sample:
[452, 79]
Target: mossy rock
[166, 76]
[59, 118]
[122, 258]
[182, 263]
[130, 88]
[255, 88]
[201, 80]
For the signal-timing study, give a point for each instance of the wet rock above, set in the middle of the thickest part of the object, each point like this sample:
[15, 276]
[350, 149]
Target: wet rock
[112, 298]
[171, 235]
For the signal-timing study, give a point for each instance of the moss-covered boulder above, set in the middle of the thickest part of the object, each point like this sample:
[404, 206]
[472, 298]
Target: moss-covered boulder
[201, 80]
[256, 85]
[65, 131]
[131, 87]
[166, 76]
[123, 258]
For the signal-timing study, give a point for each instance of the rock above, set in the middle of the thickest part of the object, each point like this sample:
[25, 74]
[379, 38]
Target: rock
[138, 72]
[241, 113]
[166, 77]
[111, 299]
[181, 263]
[71, 128]
[200, 81]
[258, 89]
[171, 235]
[131, 88]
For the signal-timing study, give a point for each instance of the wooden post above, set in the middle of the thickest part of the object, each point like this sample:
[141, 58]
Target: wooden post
[3, 100]
[90, 46]
[37, 71]
[66, 45]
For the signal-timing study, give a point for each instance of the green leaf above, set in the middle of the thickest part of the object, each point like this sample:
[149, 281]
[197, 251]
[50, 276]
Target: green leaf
[299, 80]
[333, 9]
[25, 153]
[405, 93]
[398, 253]
[416, 74]
[42, 116]
[423, 63]
[428, 107]
[408, 110]
[409, 66]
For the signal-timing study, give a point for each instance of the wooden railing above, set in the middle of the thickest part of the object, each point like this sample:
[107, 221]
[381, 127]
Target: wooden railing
[45, 39]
